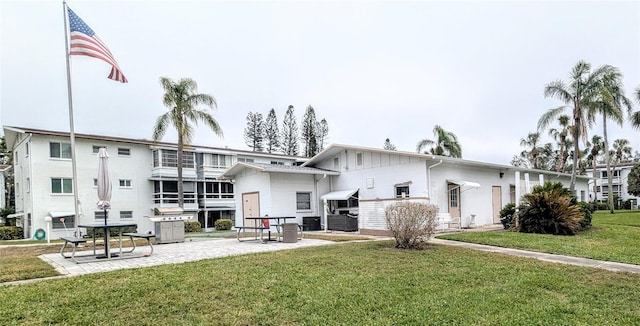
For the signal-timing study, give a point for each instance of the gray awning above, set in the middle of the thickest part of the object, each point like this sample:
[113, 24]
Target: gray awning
[339, 195]
[15, 215]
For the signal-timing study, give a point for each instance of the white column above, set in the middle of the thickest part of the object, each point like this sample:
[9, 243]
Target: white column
[517, 177]
[527, 185]
[541, 179]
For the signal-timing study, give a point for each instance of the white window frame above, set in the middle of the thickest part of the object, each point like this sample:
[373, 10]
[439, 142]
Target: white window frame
[127, 183]
[124, 151]
[126, 215]
[299, 202]
[359, 159]
[62, 181]
[60, 151]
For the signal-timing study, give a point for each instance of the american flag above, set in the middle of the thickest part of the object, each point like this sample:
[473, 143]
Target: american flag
[84, 41]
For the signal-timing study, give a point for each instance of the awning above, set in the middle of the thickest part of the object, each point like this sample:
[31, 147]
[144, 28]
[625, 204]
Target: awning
[339, 195]
[14, 215]
[463, 183]
[61, 214]
[167, 211]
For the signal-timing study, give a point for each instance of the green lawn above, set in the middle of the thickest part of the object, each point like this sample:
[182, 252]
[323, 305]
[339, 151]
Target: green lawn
[613, 237]
[365, 283]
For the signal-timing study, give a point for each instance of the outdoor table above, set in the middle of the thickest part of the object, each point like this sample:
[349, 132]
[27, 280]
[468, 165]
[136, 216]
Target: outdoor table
[107, 227]
[273, 218]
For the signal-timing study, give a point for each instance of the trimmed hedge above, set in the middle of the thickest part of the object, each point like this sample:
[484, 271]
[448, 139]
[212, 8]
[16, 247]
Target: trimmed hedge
[11, 233]
[222, 224]
[192, 226]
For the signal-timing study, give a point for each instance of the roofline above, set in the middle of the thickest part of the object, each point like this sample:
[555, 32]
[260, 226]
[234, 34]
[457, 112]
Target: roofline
[145, 142]
[275, 169]
[452, 160]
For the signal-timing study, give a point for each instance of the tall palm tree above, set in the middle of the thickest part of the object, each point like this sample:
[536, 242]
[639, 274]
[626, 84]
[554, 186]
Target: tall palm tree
[532, 142]
[181, 99]
[561, 136]
[635, 117]
[446, 143]
[610, 103]
[595, 148]
[579, 95]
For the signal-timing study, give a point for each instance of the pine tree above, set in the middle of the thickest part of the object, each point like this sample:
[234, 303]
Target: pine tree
[271, 132]
[388, 145]
[254, 132]
[308, 134]
[290, 133]
[322, 133]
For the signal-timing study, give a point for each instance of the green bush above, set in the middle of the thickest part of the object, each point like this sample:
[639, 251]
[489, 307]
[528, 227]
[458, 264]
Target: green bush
[192, 226]
[507, 213]
[550, 209]
[11, 233]
[222, 224]
[587, 213]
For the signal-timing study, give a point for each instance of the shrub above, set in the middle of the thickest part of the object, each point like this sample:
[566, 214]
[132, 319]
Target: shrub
[507, 214]
[192, 226]
[585, 208]
[11, 233]
[222, 224]
[411, 224]
[550, 209]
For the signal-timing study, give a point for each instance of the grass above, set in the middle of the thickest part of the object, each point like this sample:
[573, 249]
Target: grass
[613, 237]
[365, 283]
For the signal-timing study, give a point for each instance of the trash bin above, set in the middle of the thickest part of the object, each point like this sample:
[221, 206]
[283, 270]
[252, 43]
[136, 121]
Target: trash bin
[290, 232]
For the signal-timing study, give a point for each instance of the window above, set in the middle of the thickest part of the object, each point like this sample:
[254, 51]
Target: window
[453, 197]
[598, 189]
[95, 149]
[247, 160]
[125, 183]
[95, 183]
[217, 160]
[126, 214]
[61, 186]
[359, 159]
[303, 200]
[402, 191]
[63, 222]
[277, 163]
[60, 150]
[124, 151]
[99, 215]
[616, 173]
[26, 148]
[27, 186]
[582, 195]
[336, 163]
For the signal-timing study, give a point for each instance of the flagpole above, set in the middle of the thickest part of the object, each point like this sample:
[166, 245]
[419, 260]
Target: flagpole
[71, 132]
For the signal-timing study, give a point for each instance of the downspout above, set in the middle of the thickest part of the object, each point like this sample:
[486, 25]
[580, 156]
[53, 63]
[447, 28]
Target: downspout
[429, 178]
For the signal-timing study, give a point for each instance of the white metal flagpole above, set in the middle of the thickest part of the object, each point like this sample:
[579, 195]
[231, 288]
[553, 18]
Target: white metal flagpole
[71, 132]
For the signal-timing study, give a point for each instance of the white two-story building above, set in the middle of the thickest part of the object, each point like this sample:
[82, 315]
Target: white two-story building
[143, 173]
[619, 183]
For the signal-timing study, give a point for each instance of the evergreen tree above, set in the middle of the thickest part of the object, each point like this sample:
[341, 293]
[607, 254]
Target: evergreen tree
[308, 135]
[254, 132]
[388, 145]
[633, 181]
[290, 133]
[322, 133]
[271, 132]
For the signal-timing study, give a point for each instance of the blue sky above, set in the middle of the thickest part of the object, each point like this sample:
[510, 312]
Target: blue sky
[373, 69]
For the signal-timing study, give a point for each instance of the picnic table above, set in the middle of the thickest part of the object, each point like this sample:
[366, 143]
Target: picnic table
[108, 255]
[262, 224]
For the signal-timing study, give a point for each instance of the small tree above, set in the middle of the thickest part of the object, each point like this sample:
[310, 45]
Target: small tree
[309, 132]
[322, 133]
[411, 224]
[388, 145]
[254, 132]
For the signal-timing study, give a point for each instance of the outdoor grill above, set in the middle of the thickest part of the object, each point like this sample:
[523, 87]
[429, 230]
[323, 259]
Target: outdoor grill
[169, 224]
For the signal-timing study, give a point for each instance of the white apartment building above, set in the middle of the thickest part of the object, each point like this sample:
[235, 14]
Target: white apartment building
[143, 173]
[618, 184]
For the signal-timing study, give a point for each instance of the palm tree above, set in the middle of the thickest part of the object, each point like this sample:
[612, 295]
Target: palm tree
[182, 98]
[532, 142]
[635, 117]
[446, 143]
[579, 95]
[560, 135]
[621, 151]
[595, 148]
[610, 103]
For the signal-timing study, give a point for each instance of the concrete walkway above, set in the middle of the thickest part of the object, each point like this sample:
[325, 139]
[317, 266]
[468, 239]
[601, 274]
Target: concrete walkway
[569, 260]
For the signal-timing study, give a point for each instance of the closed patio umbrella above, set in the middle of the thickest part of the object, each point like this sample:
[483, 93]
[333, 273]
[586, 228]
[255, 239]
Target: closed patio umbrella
[104, 182]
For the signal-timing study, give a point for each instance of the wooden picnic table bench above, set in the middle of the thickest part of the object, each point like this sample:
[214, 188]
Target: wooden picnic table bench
[259, 229]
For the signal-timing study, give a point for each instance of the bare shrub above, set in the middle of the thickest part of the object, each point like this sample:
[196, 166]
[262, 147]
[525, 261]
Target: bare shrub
[411, 224]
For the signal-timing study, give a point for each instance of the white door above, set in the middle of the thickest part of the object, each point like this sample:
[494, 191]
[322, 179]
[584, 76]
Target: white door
[250, 207]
